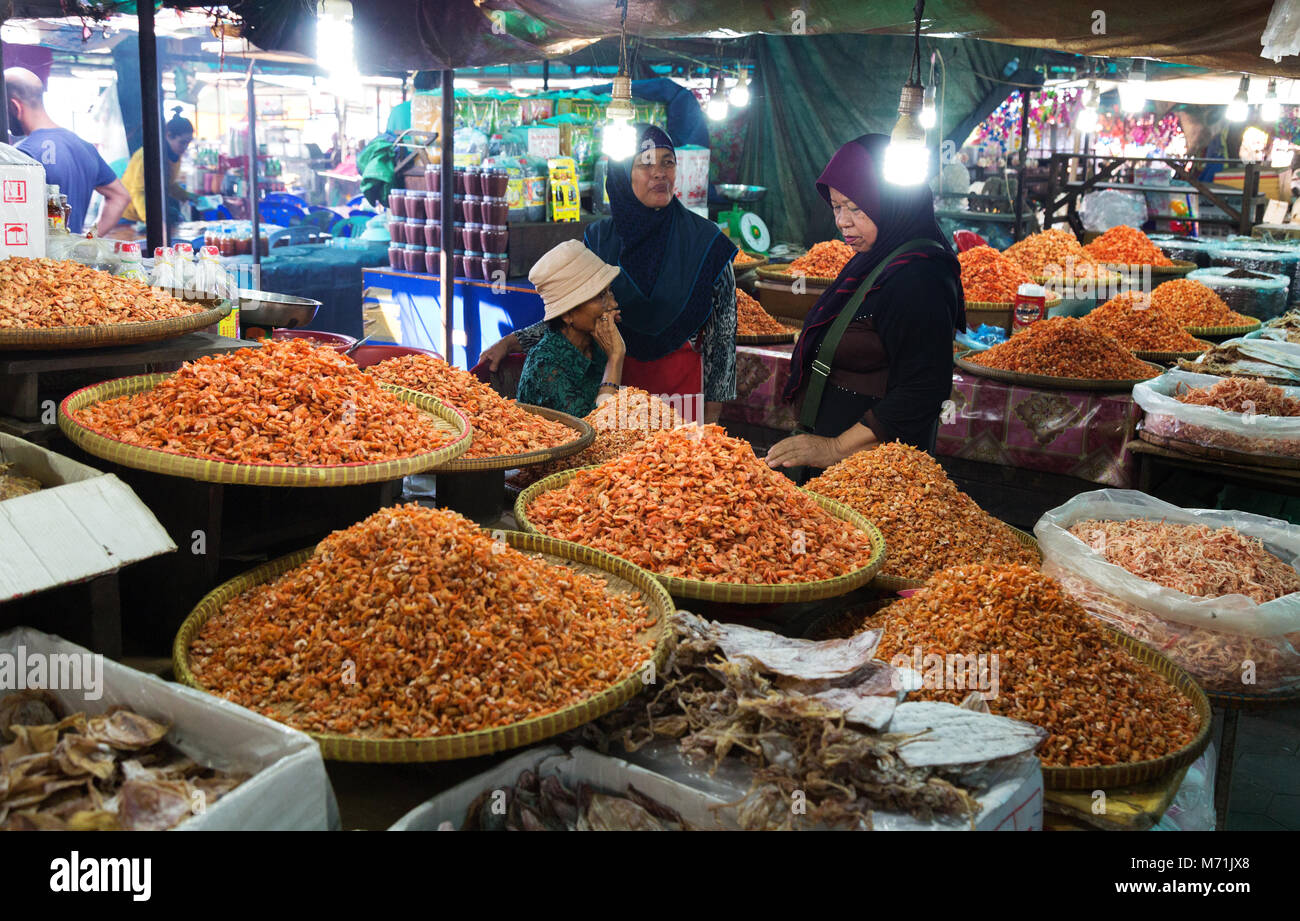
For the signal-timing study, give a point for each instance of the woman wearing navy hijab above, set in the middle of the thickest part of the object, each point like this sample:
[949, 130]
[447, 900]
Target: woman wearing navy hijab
[892, 370]
[676, 293]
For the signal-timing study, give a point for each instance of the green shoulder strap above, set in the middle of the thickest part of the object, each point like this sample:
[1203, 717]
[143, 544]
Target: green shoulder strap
[821, 370]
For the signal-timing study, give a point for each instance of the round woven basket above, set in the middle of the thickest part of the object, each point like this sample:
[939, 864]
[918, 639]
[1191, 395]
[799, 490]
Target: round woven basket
[780, 271]
[1111, 776]
[900, 584]
[1050, 383]
[1223, 332]
[1164, 272]
[773, 339]
[94, 337]
[1171, 357]
[212, 470]
[583, 436]
[737, 593]
[741, 268]
[622, 576]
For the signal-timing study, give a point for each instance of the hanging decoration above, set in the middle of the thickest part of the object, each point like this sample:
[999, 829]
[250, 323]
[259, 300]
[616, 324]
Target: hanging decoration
[1046, 108]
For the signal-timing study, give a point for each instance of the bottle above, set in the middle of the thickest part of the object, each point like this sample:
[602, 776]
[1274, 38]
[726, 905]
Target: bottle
[66, 209]
[54, 210]
[130, 263]
[1030, 306]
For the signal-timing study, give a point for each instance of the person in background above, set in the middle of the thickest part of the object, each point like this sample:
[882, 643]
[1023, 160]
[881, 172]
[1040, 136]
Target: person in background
[578, 364]
[399, 117]
[178, 132]
[74, 165]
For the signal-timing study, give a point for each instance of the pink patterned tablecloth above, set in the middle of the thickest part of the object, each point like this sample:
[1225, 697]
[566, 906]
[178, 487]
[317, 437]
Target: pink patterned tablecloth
[1072, 432]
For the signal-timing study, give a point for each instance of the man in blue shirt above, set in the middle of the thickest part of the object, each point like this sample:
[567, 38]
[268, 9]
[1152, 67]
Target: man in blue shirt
[72, 164]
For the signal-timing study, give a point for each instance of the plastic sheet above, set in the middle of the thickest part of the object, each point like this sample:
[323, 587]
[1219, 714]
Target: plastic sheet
[1229, 643]
[1244, 431]
[1277, 266]
[289, 789]
[1262, 298]
[1186, 248]
[1193, 805]
[1110, 208]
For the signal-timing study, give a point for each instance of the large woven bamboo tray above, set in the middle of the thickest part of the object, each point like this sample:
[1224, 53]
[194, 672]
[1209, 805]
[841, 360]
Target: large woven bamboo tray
[1179, 268]
[898, 583]
[583, 434]
[1109, 776]
[1171, 357]
[213, 470]
[94, 337]
[737, 593]
[1223, 332]
[780, 271]
[770, 338]
[1050, 383]
[621, 576]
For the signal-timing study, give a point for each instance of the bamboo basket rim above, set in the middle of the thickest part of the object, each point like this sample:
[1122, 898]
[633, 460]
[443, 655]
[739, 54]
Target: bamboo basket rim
[1180, 267]
[735, 592]
[1047, 382]
[1174, 356]
[901, 583]
[586, 434]
[109, 335]
[216, 470]
[1199, 331]
[1215, 453]
[1109, 776]
[336, 747]
[777, 271]
[1053, 299]
[740, 269]
[770, 338]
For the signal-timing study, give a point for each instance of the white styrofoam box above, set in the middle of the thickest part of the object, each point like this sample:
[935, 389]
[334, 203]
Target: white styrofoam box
[83, 524]
[22, 204]
[693, 176]
[289, 789]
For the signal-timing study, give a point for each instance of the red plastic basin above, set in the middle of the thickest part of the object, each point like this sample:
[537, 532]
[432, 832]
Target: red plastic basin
[336, 341]
[368, 355]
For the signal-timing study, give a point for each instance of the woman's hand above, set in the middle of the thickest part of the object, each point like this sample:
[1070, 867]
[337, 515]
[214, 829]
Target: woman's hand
[805, 451]
[608, 337]
[494, 354]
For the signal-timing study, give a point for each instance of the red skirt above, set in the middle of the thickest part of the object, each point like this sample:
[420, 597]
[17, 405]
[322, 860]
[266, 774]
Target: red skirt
[677, 379]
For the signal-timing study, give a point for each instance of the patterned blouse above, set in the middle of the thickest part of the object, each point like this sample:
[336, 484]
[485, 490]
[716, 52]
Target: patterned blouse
[717, 343]
[557, 375]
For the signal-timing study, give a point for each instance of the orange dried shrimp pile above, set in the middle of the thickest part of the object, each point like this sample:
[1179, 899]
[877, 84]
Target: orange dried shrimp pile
[825, 260]
[1242, 394]
[1130, 318]
[753, 320]
[501, 426]
[742, 259]
[414, 623]
[285, 403]
[1192, 304]
[1064, 347]
[1191, 558]
[928, 523]
[988, 276]
[697, 504]
[50, 293]
[1056, 667]
[1055, 252]
[1123, 245]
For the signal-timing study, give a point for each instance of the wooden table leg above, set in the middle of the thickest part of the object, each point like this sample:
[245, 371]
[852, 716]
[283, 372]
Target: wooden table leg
[1223, 772]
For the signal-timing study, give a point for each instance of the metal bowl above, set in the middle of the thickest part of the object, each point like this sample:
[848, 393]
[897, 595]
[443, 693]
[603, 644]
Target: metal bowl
[283, 311]
[734, 192]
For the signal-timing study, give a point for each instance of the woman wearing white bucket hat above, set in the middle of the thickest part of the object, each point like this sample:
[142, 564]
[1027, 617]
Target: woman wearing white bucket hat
[579, 361]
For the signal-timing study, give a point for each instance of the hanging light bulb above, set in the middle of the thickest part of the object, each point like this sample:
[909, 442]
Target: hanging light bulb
[1086, 121]
[907, 161]
[717, 105]
[739, 95]
[1133, 92]
[1271, 109]
[1239, 108]
[929, 115]
[618, 139]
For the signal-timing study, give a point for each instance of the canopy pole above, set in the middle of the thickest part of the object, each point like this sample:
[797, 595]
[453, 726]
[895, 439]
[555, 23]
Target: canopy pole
[447, 215]
[1020, 169]
[155, 207]
[252, 171]
[546, 75]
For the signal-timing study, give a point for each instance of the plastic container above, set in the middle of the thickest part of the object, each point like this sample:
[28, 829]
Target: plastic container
[458, 263]
[433, 233]
[494, 211]
[432, 260]
[492, 238]
[415, 231]
[413, 257]
[462, 182]
[397, 203]
[473, 264]
[473, 181]
[414, 204]
[395, 254]
[495, 182]
[397, 231]
[494, 263]
[336, 341]
[458, 209]
[469, 209]
[468, 235]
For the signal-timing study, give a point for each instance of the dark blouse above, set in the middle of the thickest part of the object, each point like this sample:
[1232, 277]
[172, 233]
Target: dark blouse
[893, 369]
[557, 375]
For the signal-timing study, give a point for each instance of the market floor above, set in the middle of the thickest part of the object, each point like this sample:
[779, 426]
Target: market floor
[1266, 773]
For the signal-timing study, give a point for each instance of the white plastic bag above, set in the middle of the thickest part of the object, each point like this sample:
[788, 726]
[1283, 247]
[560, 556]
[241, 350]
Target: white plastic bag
[1110, 208]
[1244, 431]
[1229, 643]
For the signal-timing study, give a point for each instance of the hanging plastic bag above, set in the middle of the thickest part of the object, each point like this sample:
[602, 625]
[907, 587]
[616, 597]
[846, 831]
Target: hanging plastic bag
[1246, 431]
[1110, 208]
[1231, 643]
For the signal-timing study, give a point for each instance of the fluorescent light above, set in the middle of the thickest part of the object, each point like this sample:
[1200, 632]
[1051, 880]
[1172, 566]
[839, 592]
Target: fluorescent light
[618, 140]
[739, 95]
[907, 160]
[1239, 108]
[1086, 121]
[929, 115]
[1270, 110]
[1133, 92]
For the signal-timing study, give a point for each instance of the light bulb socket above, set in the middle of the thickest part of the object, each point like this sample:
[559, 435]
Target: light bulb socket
[910, 100]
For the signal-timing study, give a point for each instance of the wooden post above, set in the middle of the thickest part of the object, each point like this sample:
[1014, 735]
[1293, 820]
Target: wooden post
[155, 205]
[447, 176]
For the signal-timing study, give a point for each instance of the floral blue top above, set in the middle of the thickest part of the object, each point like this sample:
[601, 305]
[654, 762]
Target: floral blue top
[558, 376]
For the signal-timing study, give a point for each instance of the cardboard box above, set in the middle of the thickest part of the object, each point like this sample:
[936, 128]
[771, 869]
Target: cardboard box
[83, 524]
[22, 204]
[288, 790]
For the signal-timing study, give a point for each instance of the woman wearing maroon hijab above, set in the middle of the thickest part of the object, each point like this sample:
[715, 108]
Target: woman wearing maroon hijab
[892, 370]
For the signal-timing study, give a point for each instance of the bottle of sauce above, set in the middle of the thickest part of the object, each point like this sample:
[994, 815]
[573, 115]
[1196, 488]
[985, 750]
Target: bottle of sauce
[54, 210]
[1030, 307]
